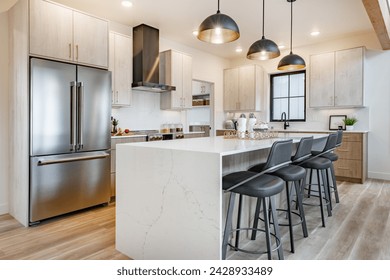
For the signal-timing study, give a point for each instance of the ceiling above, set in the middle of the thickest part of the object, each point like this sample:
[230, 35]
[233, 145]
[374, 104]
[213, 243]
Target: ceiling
[177, 19]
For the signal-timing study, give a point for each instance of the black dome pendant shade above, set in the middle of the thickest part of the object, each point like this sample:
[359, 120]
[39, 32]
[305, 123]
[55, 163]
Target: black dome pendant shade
[292, 61]
[263, 49]
[218, 29]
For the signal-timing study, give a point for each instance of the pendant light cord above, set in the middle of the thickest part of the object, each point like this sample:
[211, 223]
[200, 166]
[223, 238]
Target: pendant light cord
[218, 8]
[263, 15]
[291, 30]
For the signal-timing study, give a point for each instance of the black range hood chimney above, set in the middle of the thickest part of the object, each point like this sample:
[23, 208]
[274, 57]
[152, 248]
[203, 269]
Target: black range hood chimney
[146, 60]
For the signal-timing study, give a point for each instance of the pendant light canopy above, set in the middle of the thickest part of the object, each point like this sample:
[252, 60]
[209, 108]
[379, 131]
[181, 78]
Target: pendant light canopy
[218, 29]
[291, 61]
[263, 49]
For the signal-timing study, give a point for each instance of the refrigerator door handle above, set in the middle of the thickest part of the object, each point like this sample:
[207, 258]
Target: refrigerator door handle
[73, 120]
[80, 115]
[43, 161]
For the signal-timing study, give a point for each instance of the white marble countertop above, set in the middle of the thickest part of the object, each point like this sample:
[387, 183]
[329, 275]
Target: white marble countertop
[144, 135]
[310, 131]
[220, 145]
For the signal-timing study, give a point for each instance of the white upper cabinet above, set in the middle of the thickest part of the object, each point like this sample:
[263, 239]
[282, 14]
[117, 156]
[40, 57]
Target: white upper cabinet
[121, 67]
[243, 88]
[176, 70]
[51, 30]
[336, 79]
[64, 34]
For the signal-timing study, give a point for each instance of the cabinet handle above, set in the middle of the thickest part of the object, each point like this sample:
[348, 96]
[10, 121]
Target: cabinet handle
[77, 52]
[342, 150]
[344, 168]
[70, 50]
[117, 97]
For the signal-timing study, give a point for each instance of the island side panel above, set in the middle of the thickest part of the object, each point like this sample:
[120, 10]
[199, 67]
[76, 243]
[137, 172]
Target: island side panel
[168, 203]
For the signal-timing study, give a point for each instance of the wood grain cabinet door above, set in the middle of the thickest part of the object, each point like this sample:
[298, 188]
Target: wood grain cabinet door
[51, 30]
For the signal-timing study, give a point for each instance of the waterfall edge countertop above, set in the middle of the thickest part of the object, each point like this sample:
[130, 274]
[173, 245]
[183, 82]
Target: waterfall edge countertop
[169, 199]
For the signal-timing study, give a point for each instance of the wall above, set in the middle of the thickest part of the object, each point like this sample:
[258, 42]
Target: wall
[374, 117]
[145, 112]
[4, 113]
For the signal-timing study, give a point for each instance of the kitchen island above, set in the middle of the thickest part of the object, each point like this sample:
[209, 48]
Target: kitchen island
[170, 203]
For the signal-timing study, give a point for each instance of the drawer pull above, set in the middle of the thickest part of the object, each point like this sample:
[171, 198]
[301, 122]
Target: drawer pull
[342, 150]
[344, 168]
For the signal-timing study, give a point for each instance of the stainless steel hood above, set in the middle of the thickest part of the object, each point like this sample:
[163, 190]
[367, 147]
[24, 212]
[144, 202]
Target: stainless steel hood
[146, 60]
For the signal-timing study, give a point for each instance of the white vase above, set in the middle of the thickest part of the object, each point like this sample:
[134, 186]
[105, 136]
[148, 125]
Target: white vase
[349, 127]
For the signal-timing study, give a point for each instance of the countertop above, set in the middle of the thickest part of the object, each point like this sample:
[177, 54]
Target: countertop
[310, 131]
[220, 145]
[144, 135]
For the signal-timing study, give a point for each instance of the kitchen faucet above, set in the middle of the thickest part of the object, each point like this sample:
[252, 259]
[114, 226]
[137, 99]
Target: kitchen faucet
[286, 124]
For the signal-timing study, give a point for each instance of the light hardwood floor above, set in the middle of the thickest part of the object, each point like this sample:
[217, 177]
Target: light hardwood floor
[87, 234]
[358, 229]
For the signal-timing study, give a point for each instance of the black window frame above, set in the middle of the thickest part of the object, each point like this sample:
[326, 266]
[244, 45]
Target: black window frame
[289, 97]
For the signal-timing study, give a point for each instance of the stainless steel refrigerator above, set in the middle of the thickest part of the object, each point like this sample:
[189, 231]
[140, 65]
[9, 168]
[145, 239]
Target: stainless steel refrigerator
[70, 109]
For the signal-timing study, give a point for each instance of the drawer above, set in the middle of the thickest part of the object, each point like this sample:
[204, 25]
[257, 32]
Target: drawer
[352, 137]
[115, 141]
[348, 168]
[350, 150]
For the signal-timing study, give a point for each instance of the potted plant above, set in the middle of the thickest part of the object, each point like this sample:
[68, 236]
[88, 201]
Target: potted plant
[349, 123]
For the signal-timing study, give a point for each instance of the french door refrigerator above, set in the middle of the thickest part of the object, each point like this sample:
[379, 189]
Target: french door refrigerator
[70, 109]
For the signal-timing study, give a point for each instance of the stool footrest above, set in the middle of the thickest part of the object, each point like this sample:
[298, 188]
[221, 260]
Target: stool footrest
[278, 242]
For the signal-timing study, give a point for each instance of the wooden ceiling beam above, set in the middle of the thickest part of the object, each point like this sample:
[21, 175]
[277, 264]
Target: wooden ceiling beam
[379, 15]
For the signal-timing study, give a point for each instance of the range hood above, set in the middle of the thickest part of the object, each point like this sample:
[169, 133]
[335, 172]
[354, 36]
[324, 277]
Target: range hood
[146, 60]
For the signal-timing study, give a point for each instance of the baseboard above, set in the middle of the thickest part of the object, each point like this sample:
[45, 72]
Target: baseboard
[379, 175]
[4, 208]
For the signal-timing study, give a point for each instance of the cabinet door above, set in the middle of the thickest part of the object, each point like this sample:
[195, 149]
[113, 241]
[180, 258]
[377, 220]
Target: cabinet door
[121, 67]
[349, 77]
[177, 79]
[90, 40]
[247, 88]
[51, 30]
[322, 73]
[187, 81]
[230, 91]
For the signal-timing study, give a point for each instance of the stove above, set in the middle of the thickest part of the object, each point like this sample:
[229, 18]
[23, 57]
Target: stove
[156, 135]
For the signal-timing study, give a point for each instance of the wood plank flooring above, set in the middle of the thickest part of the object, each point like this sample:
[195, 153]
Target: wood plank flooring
[88, 234]
[359, 229]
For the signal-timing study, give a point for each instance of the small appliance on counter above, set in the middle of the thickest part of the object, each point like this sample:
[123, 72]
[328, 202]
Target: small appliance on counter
[241, 126]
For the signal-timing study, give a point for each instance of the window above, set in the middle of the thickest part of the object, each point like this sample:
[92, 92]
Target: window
[288, 94]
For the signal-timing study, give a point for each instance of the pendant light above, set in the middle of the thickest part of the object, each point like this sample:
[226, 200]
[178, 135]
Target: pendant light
[291, 61]
[263, 49]
[218, 29]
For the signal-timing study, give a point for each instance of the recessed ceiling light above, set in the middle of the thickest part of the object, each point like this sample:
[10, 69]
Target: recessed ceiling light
[315, 33]
[195, 32]
[126, 3]
[238, 49]
[281, 47]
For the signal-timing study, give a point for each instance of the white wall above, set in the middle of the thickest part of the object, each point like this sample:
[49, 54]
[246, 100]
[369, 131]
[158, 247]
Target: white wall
[3, 113]
[145, 111]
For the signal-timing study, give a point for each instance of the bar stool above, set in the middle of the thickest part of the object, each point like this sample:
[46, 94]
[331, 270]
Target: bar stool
[264, 187]
[334, 157]
[294, 176]
[320, 165]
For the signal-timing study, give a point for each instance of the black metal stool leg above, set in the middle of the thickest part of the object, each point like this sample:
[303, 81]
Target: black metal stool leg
[328, 188]
[276, 227]
[336, 193]
[266, 228]
[326, 192]
[320, 197]
[239, 220]
[228, 225]
[289, 218]
[310, 182]
[256, 219]
[298, 186]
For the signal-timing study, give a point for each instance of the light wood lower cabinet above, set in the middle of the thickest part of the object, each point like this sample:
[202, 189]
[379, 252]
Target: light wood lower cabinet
[352, 163]
[115, 141]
